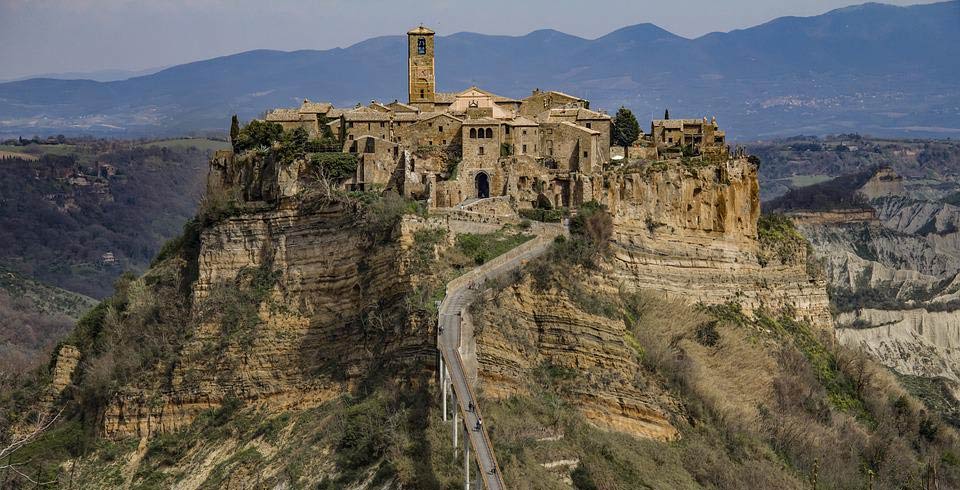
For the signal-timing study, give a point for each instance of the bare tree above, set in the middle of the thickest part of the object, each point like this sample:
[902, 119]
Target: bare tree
[19, 441]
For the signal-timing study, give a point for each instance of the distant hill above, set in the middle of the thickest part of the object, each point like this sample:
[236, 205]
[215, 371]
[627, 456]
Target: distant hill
[932, 166]
[876, 69]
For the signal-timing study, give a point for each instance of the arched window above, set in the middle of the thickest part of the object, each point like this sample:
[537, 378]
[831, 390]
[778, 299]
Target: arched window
[489, 133]
[480, 133]
[473, 133]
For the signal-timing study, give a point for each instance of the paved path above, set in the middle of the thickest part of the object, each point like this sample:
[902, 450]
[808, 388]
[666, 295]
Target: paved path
[460, 293]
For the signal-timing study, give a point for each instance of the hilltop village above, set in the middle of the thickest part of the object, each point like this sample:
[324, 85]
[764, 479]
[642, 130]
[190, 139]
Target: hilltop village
[449, 148]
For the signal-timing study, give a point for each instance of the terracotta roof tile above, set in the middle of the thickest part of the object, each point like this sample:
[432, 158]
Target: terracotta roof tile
[283, 115]
[315, 107]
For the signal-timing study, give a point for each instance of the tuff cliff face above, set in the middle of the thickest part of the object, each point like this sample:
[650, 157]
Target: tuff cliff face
[689, 232]
[693, 232]
[892, 265]
[326, 303]
[302, 302]
[522, 330]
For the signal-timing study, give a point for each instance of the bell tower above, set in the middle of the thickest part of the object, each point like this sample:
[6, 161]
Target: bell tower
[421, 83]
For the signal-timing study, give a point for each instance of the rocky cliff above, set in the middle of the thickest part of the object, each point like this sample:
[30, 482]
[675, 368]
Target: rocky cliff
[296, 296]
[692, 231]
[303, 325]
[892, 267]
[689, 232]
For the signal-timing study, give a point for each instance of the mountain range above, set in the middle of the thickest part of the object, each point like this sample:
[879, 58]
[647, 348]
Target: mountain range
[873, 68]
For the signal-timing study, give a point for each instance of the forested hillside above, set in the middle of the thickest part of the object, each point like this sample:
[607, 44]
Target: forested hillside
[77, 215]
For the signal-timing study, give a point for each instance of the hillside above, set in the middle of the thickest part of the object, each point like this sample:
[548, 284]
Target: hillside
[892, 260]
[881, 69]
[77, 215]
[674, 339]
[931, 168]
[33, 318]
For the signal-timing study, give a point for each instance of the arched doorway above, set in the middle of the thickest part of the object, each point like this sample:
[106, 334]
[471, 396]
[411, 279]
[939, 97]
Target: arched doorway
[483, 185]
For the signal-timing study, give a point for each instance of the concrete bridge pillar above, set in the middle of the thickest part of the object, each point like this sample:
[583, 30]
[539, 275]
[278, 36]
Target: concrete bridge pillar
[466, 467]
[456, 426]
[444, 377]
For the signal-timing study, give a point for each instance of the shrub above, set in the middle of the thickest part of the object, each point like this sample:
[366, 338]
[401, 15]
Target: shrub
[486, 246]
[543, 215]
[382, 213]
[258, 135]
[707, 334]
[293, 146]
[582, 480]
[780, 240]
[334, 166]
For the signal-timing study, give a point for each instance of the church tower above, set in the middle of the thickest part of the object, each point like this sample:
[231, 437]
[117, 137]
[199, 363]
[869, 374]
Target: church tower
[421, 83]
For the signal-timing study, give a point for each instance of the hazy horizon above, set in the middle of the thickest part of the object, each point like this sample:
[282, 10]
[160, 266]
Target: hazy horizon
[89, 36]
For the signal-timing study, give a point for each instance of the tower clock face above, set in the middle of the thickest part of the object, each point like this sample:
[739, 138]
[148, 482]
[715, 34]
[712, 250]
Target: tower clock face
[421, 46]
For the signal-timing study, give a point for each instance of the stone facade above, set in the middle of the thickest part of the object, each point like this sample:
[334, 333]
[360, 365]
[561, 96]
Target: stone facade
[696, 134]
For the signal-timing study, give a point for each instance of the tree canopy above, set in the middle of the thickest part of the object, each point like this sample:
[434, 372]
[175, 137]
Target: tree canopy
[625, 130]
[258, 134]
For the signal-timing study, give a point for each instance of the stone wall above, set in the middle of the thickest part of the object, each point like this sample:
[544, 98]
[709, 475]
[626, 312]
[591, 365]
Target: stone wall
[443, 130]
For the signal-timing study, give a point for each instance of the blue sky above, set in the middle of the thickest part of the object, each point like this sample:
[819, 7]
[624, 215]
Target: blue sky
[56, 36]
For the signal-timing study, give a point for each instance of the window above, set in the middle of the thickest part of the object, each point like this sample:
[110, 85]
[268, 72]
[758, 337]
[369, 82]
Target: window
[430, 124]
[524, 132]
[588, 126]
[439, 129]
[669, 140]
[480, 133]
[350, 137]
[586, 154]
[524, 150]
[444, 142]
[473, 133]
[350, 125]
[430, 143]
[368, 126]
[489, 133]
[381, 124]
[480, 150]
[421, 45]
[421, 93]
[506, 130]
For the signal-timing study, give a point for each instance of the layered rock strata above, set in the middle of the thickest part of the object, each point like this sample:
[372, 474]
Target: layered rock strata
[692, 231]
[332, 310]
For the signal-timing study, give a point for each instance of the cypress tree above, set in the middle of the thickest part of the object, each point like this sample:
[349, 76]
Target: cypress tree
[234, 131]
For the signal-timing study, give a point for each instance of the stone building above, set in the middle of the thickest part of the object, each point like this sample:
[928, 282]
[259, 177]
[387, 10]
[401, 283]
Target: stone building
[697, 134]
[451, 147]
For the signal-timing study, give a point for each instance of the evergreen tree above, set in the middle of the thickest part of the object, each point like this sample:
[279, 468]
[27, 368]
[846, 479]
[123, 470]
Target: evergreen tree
[624, 130]
[234, 131]
[666, 113]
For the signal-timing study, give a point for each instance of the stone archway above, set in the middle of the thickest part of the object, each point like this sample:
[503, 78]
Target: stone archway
[482, 185]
